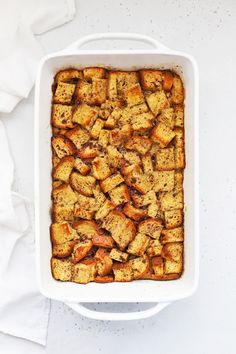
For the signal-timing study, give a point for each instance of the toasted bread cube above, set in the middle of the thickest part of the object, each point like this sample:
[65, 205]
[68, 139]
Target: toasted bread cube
[120, 136]
[151, 80]
[165, 159]
[62, 233]
[85, 207]
[141, 144]
[134, 95]
[110, 123]
[142, 122]
[118, 255]
[69, 75]
[104, 210]
[126, 169]
[83, 213]
[153, 209]
[115, 158]
[122, 229]
[63, 169]
[64, 93]
[104, 262]
[119, 81]
[177, 91]
[55, 159]
[139, 266]
[88, 151]
[78, 136]
[61, 269]
[164, 181]
[167, 117]
[98, 195]
[56, 184]
[173, 251]
[157, 101]
[173, 218]
[62, 146]
[80, 166]
[179, 138]
[99, 91]
[158, 265]
[94, 73]
[144, 200]
[64, 194]
[179, 158]
[132, 157]
[154, 248]
[96, 129]
[101, 169]
[172, 235]
[179, 116]
[147, 163]
[134, 213]
[111, 182]
[119, 195]
[163, 134]
[171, 267]
[167, 78]
[81, 250]
[84, 91]
[103, 241]
[172, 200]
[82, 184]
[139, 245]
[151, 227]
[122, 272]
[63, 250]
[103, 139]
[179, 178]
[62, 213]
[85, 115]
[84, 273]
[61, 116]
[139, 181]
[86, 229]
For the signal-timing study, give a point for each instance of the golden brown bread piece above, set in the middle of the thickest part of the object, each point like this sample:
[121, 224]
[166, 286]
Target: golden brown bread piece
[118, 255]
[85, 207]
[86, 229]
[104, 209]
[151, 227]
[78, 136]
[120, 136]
[119, 81]
[141, 144]
[83, 91]
[173, 218]
[68, 75]
[62, 146]
[154, 248]
[96, 129]
[142, 182]
[139, 245]
[162, 134]
[82, 184]
[167, 117]
[85, 115]
[158, 265]
[115, 158]
[81, 250]
[151, 80]
[111, 182]
[177, 91]
[103, 138]
[104, 262]
[120, 195]
[147, 163]
[165, 159]
[103, 241]
[164, 181]
[167, 78]
[179, 115]
[132, 157]
[172, 235]
[84, 271]
[98, 91]
[80, 166]
[134, 213]
[63, 169]
[101, 169]
[134, 95]
[62, 233]
[122, 272]
[64, 194]
[61, 269]
[94, 73]
[139, 266]
[140, 200]
[61, 116]
[64, 93]
[63, 250]
[171, 200]
[157, 101]
[88, 151]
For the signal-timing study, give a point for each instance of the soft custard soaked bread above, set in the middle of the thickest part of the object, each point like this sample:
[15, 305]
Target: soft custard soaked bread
[118, 156]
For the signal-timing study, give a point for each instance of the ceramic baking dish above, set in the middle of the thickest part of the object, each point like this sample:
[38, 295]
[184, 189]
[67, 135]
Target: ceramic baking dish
[160, 292]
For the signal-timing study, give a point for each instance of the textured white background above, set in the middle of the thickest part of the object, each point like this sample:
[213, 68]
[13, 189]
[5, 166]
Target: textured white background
[204, 323]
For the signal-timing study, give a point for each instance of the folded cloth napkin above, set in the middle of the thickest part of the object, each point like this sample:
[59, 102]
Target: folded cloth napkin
[23, 311]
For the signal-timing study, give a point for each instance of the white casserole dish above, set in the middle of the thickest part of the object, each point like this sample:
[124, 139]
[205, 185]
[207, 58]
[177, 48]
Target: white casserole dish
[161, 292]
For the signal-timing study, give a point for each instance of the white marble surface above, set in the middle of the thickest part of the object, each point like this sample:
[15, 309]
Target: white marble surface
[204, 323]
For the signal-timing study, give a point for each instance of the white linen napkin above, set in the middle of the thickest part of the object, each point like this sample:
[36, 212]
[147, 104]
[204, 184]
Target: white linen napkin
[23, 311]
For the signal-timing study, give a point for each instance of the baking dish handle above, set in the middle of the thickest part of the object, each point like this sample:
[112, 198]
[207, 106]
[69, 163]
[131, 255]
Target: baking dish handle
[113, 316]
[116, 36]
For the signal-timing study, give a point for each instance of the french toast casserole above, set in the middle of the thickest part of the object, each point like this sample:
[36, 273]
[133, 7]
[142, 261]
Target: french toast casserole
[117, 179]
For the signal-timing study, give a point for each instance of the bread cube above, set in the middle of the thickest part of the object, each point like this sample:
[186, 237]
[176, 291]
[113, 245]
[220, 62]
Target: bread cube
[104, 210]
[163, 134]
[119, 81]
[62, 146]
[143, 183]
[103, 241]
[151, 227]
[172, 235]
[173, 218]
[139, 266]
[157, 101]
[173, 251]
[118, 255]
[98, 91]
[62, 213]
[179, 115]
[78, 136]
[64, 194]
[88, 151]
[101, 169]
[177, 91]
[61, 269]
[85, 115]
[132, 157]
[119, 195]
[147, 163]
[104, 262]
[84, 272]
[164, 181]
[84, 92]
[111, 182]
[134, 213]
[141, 144]
[61, 233]
[103, 139]
[80, 166]
[158, 265]
[171, 200]
[122, 272]
[81, 250]
[63, 169]
[167, 78]
[94, 73]
[96, 129]
[151, 80]
[171, 267]
[86, 229]
[82, 184]
[115, 158]
[68, 75]
[167, 117]
[165, 159]
[139, 245]
[64, 93]
[63, 250]
[134, 95]
[144, 200]
[179, 177]
[154, 248]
